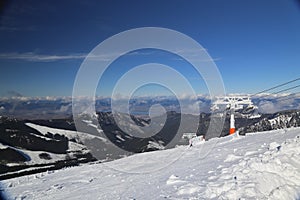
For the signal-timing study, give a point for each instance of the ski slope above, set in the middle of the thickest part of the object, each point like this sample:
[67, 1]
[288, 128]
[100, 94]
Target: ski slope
[263, 165]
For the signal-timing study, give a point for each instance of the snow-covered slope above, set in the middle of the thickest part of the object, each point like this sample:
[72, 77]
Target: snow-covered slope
[262, 165]
[78, 136]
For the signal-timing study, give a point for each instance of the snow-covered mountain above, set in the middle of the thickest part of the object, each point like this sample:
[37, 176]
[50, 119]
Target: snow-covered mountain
[39, 145]
[61, 107]
[246, 123]
[262, 165]
[280, 120]
[27, 148]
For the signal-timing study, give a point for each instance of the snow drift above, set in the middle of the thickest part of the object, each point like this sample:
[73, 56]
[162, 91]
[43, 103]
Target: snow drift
[262, 165]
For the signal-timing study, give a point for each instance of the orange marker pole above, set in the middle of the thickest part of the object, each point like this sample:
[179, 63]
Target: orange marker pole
[232, 127]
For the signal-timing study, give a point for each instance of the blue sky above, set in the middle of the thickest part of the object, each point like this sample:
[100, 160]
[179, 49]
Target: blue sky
[255, 44]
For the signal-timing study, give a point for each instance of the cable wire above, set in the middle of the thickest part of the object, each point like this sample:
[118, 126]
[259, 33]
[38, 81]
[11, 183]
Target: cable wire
[287, 89]
[277, 86]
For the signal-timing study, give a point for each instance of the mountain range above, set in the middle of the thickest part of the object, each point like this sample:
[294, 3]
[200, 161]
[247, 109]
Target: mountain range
[34, 145]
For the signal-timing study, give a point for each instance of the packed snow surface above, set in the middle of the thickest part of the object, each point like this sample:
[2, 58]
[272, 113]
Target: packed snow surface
[262, 165]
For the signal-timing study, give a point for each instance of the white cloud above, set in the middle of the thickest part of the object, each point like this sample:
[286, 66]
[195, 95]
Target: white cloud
[267, 107]
[33, 57]
[272, 104]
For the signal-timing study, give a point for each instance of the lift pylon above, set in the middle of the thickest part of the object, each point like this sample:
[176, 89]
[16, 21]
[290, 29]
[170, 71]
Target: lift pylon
[232, 103]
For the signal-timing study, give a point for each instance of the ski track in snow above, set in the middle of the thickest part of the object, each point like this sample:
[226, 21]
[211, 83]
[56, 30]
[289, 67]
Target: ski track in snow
[262, 165]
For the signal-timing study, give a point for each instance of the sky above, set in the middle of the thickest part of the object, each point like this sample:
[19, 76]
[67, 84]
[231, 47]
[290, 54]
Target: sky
[255, 44]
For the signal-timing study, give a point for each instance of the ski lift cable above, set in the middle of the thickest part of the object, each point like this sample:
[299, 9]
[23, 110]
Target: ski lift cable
[283, 98]
[289, 97]
[287, 89]
[290, 88]
[277, 86]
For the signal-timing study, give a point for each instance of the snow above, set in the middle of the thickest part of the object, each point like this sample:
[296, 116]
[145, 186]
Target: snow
[90, 123]
[262, 165]
[197, 140]
[283, 119]
[2, 146]
[120, 137]
[156, 145]
[254, 116]
[78, 136]
[73, 146]
[33, 156]
[30, 169]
